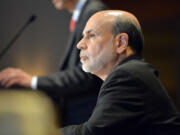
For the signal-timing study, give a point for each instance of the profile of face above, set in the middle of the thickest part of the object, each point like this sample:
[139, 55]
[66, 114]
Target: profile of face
[101, 50]
[96, 45]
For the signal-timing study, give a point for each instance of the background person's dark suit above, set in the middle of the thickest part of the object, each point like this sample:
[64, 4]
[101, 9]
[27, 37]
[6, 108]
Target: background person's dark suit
[77, 88]
[131, 101]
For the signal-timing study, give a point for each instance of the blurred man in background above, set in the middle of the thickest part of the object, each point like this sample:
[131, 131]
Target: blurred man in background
[72, 89]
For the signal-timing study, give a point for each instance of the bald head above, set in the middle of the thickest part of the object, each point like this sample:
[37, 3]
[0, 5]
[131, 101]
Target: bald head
[114, 14]
[122, 22]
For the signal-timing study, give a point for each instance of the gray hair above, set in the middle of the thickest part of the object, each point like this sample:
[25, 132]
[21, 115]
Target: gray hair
[136, 39]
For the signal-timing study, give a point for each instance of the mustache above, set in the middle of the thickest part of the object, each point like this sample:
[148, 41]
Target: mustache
[83, 54]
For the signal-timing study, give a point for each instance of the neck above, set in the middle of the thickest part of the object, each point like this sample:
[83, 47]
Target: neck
[104, 73]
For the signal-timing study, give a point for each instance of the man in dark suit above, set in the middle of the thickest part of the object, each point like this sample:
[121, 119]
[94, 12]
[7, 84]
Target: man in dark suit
[76, 90]
[132, 100]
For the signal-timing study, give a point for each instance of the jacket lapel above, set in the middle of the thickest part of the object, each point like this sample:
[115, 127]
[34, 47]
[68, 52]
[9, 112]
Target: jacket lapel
[67, 50]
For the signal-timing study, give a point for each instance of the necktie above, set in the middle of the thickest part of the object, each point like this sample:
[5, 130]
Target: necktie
[76, 14]
[72, 25]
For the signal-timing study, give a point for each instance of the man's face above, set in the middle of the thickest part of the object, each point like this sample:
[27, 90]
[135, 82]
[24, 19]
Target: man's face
[59, 4]
[97, 45]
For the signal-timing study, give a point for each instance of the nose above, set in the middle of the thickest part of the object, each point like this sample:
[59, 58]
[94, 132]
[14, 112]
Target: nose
[81, 45]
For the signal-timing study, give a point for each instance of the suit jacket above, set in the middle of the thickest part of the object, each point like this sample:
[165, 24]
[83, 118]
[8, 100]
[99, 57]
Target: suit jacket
[76, 90]
[132, 100]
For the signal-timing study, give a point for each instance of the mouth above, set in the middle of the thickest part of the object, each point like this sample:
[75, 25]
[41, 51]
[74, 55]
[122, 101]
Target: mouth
[83, 58]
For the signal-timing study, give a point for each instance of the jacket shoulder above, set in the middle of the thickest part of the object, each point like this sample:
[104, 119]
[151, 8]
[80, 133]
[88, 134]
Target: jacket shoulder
[135, 68]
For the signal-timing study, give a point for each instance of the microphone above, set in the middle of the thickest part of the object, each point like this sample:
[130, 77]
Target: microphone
[7, 47]
[32, 18]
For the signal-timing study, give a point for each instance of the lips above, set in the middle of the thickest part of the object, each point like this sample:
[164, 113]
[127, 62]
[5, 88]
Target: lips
[83, 57]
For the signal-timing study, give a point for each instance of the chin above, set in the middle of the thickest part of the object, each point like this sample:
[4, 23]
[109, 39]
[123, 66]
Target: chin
[88, 69]
[85, 69]
[59, 6]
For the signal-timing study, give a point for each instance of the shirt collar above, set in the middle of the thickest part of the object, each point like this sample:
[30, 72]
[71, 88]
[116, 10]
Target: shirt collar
[78, 9]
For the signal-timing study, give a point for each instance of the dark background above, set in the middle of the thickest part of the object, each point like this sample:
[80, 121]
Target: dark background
[40, 47]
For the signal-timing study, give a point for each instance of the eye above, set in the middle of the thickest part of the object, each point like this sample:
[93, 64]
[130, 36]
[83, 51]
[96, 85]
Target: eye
[92, 35]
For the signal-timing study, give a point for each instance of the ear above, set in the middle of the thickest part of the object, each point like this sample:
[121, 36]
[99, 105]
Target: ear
[121, 42]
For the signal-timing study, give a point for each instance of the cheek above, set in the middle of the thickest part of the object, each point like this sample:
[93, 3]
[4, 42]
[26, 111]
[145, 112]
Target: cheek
[94, 50]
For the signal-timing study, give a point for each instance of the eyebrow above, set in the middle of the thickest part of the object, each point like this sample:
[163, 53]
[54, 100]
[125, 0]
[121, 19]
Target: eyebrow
[89, 31]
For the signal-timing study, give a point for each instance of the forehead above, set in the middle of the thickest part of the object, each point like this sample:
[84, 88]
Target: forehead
[98, 24]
